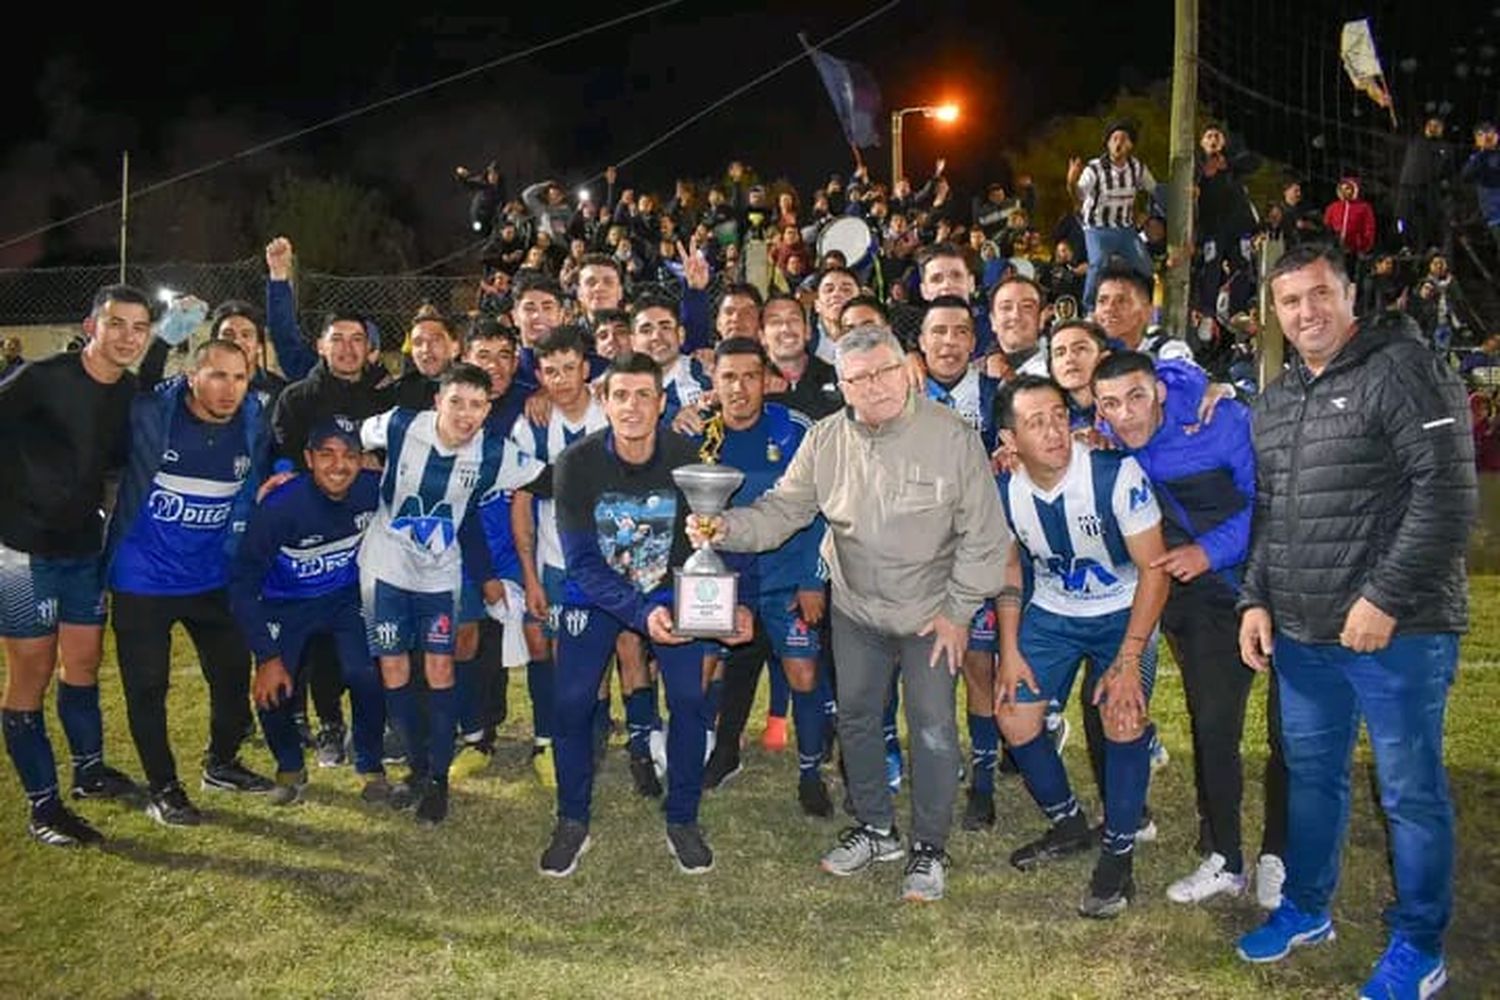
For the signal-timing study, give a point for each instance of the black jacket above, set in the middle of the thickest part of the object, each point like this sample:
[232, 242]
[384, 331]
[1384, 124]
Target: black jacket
[1365, 487]
[319, 397]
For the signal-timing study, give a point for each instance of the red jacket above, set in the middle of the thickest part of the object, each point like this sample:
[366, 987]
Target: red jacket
[1353, 222]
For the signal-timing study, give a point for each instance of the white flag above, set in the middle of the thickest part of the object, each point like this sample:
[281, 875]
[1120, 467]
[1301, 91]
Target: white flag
[1362, 62]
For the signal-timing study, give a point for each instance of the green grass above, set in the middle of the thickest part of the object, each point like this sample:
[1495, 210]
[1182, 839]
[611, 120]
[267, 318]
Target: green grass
[333, 898]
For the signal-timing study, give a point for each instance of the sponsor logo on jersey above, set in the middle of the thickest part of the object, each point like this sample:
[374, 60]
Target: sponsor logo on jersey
[307, 567]
[1075, 574]
[174, 508]
[440, 629]
[1140, 496]
[433, 529]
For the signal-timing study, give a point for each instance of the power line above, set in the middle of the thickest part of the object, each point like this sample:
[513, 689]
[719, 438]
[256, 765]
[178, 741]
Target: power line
[343, 117]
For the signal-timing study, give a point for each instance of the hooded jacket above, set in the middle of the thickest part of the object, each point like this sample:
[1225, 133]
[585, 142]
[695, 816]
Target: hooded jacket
[1352, 221]
[1365, 487]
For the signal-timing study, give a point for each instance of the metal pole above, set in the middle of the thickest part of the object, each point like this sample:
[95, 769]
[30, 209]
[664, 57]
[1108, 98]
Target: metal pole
[895, 148]
[1180, 192]
[124, 209]
[1271, 344]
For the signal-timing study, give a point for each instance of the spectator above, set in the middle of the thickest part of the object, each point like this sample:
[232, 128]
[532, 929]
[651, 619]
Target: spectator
[1351, 219]
[1224, 213]
[1106, 190]
[10, 356]
[1422, 192]
[1483, 171]
[489, 195]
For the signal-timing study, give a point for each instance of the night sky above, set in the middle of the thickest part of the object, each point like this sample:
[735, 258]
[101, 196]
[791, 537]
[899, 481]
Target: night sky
[203, 84]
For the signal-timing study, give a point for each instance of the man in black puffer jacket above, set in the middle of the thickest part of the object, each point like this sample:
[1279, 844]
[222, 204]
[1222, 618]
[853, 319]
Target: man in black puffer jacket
[1356, 584]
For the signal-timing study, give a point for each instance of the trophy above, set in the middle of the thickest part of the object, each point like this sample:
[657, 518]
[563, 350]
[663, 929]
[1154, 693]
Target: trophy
[706, 591]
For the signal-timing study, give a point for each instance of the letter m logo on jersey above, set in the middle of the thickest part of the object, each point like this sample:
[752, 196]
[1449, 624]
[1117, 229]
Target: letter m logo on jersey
[1075, 573]
[1140, 495]
[432, 529]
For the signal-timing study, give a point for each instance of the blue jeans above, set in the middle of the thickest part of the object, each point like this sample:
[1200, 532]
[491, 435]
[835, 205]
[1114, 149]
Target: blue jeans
[1102, 244]
[1402, 692]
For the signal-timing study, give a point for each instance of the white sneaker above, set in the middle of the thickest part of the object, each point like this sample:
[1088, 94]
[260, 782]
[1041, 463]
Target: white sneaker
[1159, 756]
[1147, 834]
[1270, 876]
[1208, 881]
[656, 743]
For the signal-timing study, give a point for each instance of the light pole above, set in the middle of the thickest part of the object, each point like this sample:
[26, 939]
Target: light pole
[942, 112]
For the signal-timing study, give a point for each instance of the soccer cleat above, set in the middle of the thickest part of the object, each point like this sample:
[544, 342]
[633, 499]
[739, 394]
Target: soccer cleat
[1405, 973]
[289, 788]
[722, 765]
[1210, 879]
[102, 782]
[893, 770]
[1146, 833]
[56, 826]
[392, 747]
[331, 750]
[405, 794]
[544, 763]
[643, 773]
[376, 790]
[926, 874]
[979, 810]
[1285, 929]
[1111, 888]
[570, 841]
[234, 776]
[689, 849]
[1068, 836]
[1159, 756]
[432, 807]
[773, 740]
[171, 807]
[1270, 876]
[812, 795]
[861, 846]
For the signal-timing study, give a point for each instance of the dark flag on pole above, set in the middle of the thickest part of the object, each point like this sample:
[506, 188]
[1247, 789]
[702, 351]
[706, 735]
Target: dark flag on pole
[855, 96]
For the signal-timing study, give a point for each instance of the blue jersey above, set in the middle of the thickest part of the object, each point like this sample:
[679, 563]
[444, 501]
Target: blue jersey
[971, 397]
[1072, 536]
[426, 494]
[176, 544]
[494, 506]
[300, 546]
[684, 381]
[762, 452]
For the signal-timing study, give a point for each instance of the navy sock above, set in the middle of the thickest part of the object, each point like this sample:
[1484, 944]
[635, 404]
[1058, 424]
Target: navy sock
[640, 719]
[781, 692]
[442, 707]
[541, 686]
[984, 738]
[811, 724]
[712, 696]
[78, 711]
[466, 696]
[1127, 775]
[1046, 778]
[404, 712]
[888, 723]
[31, 752]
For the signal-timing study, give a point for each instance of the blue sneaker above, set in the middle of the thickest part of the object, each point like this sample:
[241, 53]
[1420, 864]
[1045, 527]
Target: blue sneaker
[1405, 973]
[893, 770]
[1285, 929]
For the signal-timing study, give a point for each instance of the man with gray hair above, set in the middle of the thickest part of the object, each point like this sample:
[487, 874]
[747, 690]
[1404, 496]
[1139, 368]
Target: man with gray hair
[916, 541]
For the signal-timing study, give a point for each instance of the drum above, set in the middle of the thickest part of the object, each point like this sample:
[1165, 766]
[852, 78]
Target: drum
[850, 236]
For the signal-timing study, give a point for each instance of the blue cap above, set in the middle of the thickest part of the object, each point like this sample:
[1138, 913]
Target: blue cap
[340, 427]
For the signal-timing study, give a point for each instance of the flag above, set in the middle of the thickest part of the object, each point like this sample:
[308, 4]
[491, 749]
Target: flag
[1362, 62]
[854, 93]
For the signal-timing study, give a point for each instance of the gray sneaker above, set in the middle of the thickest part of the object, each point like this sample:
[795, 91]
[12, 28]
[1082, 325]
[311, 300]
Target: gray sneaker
[289, 788]
[570, 841]
[861, 846]
[926, 871]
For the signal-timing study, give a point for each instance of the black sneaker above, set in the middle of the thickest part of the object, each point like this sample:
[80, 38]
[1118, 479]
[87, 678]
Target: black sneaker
[1066, 837]
[1111, 887]
[234, 777]
[172, 807]
[979, 811]
[570, 841]
[56, 826]
[331, 751]
[103, 782]
[721, 767]
[693, 855]
[432, 807]
[812, 794]
[643, 773]
[406, 793]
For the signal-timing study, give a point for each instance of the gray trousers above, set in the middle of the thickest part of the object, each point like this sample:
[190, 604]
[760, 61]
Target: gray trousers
[865, 660]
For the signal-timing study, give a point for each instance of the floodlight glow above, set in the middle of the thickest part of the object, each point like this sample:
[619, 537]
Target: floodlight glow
[946, 113]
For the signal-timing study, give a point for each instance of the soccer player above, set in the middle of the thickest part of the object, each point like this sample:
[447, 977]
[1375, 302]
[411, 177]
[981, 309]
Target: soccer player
[438, 464]
[294, 577]
[63, 427]
[656, 333]
[1089, 527]
[760, 439]
[947, 345]
[199, 450]
[620, 518]
[562, 364]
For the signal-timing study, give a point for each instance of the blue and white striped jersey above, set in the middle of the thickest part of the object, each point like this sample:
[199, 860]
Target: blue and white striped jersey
[683, 382]
[971, 397]
[1108, 192]
[1073, 535]
[546, 443]
[426, 492]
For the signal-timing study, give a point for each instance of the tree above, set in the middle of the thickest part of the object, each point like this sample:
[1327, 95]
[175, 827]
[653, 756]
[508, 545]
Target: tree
[338, 226]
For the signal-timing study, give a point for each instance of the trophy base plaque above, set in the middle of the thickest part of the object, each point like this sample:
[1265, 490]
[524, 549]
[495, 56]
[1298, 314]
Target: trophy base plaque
[703, 604]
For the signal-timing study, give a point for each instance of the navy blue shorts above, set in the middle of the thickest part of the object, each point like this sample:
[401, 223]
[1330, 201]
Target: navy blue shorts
[1054, 645]
[983, 634]
[37, 594]
[553, 582]
[791, 637]
[399, 621]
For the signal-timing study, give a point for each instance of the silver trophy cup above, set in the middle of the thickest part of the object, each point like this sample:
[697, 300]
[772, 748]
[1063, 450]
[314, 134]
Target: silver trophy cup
[706, 591]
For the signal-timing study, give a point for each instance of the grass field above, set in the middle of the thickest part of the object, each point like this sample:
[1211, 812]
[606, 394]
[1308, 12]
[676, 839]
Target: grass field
[332, 898]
